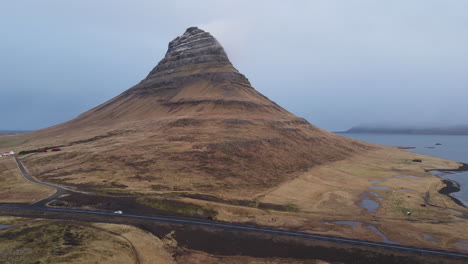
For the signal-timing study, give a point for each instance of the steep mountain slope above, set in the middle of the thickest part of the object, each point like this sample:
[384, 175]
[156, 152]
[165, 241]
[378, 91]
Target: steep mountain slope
[193, 124]
[195, 79]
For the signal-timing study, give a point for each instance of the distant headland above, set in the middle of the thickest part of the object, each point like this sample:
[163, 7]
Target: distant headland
[375, 129]
[13, 132]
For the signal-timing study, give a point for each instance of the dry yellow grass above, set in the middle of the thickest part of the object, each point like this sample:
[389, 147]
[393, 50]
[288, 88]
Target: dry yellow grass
[14, 188]
[148, 247]
[197, 257]
[338, 187]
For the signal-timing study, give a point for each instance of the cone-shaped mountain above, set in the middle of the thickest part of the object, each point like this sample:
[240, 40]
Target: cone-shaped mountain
[193, 124]
[194, 78]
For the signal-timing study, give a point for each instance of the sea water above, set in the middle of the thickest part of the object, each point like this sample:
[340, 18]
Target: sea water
[451, 147]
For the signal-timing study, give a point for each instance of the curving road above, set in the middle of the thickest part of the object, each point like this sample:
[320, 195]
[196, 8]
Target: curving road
[59, 191]
[66, 213]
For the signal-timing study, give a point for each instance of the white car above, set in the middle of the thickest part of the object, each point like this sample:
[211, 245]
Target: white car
[118, 212]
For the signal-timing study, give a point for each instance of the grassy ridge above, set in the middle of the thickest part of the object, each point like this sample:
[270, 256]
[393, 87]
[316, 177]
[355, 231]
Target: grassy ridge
[56, 242]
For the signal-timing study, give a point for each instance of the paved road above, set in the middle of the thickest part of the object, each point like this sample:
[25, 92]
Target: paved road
[59, 191]
[66, 212]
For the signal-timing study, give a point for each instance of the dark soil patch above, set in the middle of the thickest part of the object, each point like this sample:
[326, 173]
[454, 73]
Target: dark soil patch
[235, 243]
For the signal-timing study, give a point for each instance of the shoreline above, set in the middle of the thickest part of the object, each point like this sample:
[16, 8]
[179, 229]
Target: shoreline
[463, 167]
[404, 133]
[451, 185]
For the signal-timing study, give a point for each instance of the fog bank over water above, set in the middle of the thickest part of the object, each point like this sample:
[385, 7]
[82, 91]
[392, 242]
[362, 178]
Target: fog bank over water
[410, 129]
[337, 63]
[453, 147]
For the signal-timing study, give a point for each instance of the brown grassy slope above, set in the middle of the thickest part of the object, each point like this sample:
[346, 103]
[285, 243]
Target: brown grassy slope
[195, 154]
[59, 241]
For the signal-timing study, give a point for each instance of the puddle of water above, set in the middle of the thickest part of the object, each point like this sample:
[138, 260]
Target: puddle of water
[406, 176]
[370, 227]
[379, 187]
[430, 238]
[438, 173]
[377, 231]
[350, 223]
[370, 205]
[376, 195]
[4, 226]
[461, 243]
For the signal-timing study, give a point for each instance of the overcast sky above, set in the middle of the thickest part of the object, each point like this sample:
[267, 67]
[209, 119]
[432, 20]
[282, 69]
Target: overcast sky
[335, 63]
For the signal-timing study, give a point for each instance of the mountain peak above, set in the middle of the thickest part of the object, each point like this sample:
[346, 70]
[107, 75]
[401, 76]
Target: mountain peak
[192, 38]
[194, 47]
[191, 34]
[195, 78]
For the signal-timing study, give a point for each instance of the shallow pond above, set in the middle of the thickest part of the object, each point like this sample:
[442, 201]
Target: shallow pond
[370, 205]
[430, 238]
